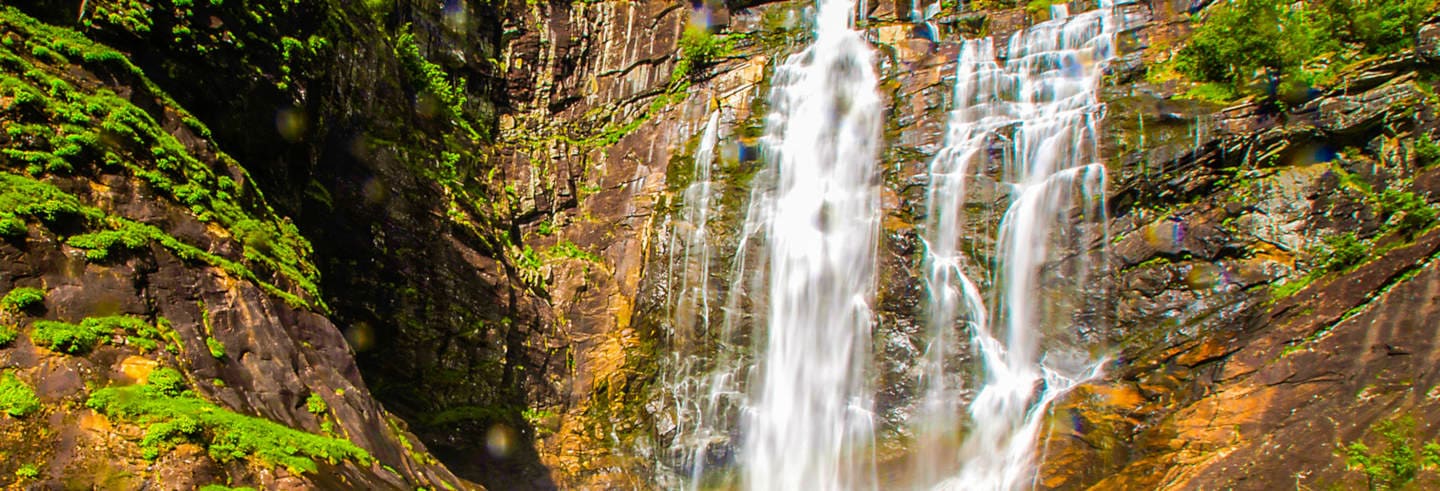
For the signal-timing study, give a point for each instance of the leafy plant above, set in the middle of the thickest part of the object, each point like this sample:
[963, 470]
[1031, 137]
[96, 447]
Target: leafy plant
[316, 404]
[1396, 463]
[65, 337]
[7, 334]
[1342, 251]
[27, 471]
[1413, 212]
[22, 298]
[16, 398]
[699, 49]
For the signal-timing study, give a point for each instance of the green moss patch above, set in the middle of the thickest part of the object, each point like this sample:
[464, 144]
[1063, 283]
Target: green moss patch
[59, 122]
[171, 416]
[16, 398]
[22, 298]
[80, 338]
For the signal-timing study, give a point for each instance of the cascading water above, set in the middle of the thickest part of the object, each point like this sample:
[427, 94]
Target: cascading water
[809, 416]
[1041, 110]
[779, 392]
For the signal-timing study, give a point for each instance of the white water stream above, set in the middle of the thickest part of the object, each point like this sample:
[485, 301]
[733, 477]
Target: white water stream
[787, 405]
[1039, 108]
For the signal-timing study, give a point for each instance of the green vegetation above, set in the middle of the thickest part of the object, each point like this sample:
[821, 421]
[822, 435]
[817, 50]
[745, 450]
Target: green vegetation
[22, 298]
[171, 414]
[7, 334]
[567, 249]
[316, 404]
[16, 398]
[221, 487]
[699, 49]
[59, 127]
[1427, 151]
[1404, 209]
[27, 471]
[1285, 48]
[217, 348]
[80, 338]
[434, 81]
[1040, 9]
[1396, 463]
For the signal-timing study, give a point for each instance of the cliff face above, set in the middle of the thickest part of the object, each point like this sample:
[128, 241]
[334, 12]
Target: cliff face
[469, 205]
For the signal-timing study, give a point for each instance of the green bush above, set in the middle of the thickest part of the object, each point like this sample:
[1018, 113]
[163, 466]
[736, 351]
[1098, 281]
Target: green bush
[27, 471]
[12, 226]
[22, 298]
[7, 334]
[316, 404]
[1413, 211]
[166, 381]
[1396, 463]
[16, 398]
[1342, 251]
[1427, 151]
[1283, 47]
[699, 49]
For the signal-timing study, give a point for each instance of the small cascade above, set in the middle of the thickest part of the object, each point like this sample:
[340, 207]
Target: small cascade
[1038, 111]
[809, 421]
[697, 413]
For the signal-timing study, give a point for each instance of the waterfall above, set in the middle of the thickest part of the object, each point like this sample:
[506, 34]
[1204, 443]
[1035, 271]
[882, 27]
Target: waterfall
[809, 418]
[1040, 110]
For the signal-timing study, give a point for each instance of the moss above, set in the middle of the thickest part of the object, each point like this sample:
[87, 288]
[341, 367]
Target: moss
[217, 348]
[16, 398]
[27, 471]
[567, 249]
[434, 81]
[221, 487]
[22, 298]
[80, 338]
[316, 404]
[7, 335]
[56, 127]
[171, 417]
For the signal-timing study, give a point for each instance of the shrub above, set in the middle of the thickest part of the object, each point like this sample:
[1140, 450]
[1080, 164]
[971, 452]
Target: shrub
[22, 298]
[698, 50]
[1413, 211]
[7, 334]
[217, 348]
[27, 471]
[1342, 251]
[16, 398]
[1397, 463]
[316, 404]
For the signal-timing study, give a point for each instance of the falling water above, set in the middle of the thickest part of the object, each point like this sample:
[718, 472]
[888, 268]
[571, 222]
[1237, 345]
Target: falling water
[1041, 111]
[810, 413]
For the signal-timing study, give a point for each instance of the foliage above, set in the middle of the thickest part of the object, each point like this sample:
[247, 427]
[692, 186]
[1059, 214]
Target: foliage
[81, 338]
[1040, 9]
[567, 249]
[316, 404]
[217, 348]
[1396, 463]
[1427, 151]
[221, 487]
[22, 298]
[16, 398]
[1411, 212]
[166, 381]
[27, 471]
[171, 417]
[7, 334]
[56, 127]
[1342, 251]
[1282, 48]
[699, 49]
[434, 81]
